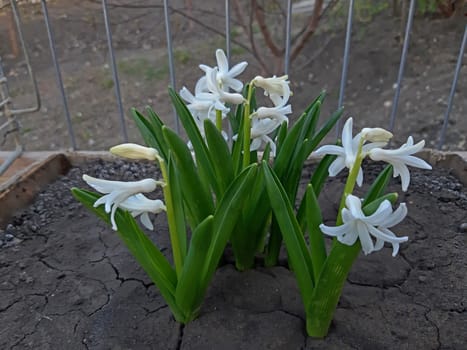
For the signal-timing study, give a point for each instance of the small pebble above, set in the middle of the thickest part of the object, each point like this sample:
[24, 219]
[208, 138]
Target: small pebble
[9, 237]
[422, 278]
[463, 227]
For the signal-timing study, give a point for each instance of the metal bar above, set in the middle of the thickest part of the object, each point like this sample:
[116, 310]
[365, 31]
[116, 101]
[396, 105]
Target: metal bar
[4, 102]
[58, 74]
[27, 59]
[113, 66]
[345, 63]
[228, 54]
[227, 30]
[6, 124]
[171, 59]
[453, 90]
[11, 158]
[288, 30]
[400, 75]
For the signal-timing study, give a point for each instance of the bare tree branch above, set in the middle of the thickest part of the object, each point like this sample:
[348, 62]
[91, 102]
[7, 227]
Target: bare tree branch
[276, 51]
[310, 29]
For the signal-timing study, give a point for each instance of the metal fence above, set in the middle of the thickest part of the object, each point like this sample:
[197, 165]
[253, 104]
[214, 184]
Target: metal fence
[12, 114]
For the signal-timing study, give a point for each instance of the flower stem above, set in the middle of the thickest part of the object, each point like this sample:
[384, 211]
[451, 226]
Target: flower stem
[219, 120]
[326, 294]
[178, 255]
[351, 180]
[247, 128]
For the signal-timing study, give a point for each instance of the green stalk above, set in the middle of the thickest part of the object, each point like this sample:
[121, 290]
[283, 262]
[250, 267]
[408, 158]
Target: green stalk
[326, 294]
[328, 288]
[247, 128]
[351, 181]
[219, 120]
[178, 255]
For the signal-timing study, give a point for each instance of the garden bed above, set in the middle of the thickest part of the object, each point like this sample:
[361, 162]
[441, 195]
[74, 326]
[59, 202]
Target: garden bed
[68, 282]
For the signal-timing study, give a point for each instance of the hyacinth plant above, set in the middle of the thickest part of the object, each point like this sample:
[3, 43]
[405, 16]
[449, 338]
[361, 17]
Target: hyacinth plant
[243, 189]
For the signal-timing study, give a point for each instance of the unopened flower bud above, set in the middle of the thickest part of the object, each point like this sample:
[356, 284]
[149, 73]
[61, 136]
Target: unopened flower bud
[134, 151]
[376, 134]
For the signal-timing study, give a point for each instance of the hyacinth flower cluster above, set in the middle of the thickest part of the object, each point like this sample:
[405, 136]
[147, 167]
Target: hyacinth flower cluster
[243, 191]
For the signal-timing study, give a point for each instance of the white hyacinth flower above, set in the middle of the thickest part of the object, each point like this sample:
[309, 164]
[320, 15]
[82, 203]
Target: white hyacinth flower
[225, 76]
[203, 105]
[356, 225]
[117, 192]
[260, 128]
[139, 204]
[277, 88]
[218, 91]
[347, 153]
[135, 151]
[278, 113]
[401, 158]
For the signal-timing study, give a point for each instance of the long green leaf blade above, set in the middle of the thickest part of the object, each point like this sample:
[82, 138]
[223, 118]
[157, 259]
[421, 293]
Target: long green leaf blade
[299, 255]
[220, 155]
[191, 287]
[196, 193]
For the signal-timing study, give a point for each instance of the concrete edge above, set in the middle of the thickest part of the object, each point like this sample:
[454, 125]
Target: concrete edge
[21, 189]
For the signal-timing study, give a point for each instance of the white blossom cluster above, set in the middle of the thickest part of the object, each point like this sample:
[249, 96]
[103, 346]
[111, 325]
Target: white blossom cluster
[213, 93]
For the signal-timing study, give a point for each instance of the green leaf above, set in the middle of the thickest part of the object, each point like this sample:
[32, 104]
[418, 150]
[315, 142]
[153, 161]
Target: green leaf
[371, 207]
[220, 155]
[150, 134]
[250, 228]
[157, 125]
[191, 287]
[281, 135]
[299, 256]
[314, 219]
[145, 252]
[317, 181]
[226, 216]
[175, 216]
[196, 193]
[237, 148]
[312, 143]
[203, 157]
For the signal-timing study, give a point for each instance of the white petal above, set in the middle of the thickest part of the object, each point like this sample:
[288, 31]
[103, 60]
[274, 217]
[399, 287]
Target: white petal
[112, 218]
[417, 162]
[396, 217]
[354, 204]
[347, 135]
[222, 62]
[238, 69]
[187, 95]
[201, 86]
[405, 177]
[365, 238]
[144, 218]
[379, 244]
[330, 149]
[384, 211]
[336, 166]
[234, 84]
[350, 237]
[387, 235]
[334, 231]
[255, 144]
[360, 177]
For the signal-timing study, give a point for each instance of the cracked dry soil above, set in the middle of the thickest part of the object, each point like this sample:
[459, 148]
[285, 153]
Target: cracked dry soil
[67, 282]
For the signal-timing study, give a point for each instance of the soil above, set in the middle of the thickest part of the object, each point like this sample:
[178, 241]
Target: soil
[140, 49]
[68, 282]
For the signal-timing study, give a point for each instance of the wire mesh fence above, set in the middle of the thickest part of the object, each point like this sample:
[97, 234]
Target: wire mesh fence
[175, 53]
